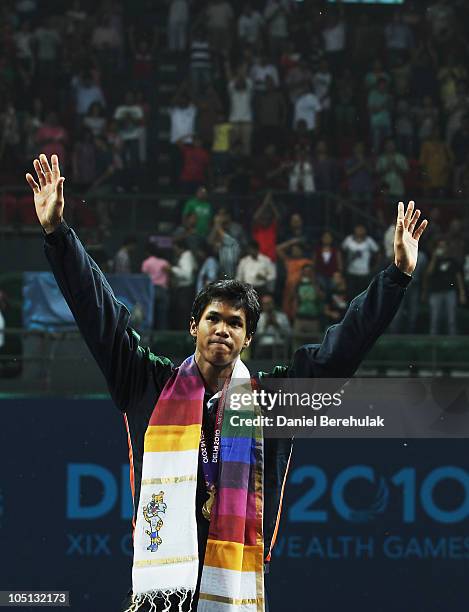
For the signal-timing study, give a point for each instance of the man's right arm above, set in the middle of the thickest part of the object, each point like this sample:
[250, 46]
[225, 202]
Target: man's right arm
[102, 320]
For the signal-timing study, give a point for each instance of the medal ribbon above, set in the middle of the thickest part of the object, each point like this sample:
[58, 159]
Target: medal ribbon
[210, 464]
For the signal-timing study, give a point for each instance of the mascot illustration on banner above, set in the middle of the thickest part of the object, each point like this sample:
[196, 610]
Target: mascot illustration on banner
[151, 513]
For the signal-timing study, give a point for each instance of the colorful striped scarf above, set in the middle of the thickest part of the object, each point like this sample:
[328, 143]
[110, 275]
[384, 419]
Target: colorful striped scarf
[165, 538]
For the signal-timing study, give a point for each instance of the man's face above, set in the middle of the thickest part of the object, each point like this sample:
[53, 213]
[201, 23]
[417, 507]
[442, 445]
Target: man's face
[221, 333]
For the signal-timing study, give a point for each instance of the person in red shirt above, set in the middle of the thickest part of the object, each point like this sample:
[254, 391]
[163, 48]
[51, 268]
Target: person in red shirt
[195, 164]
[264, 227]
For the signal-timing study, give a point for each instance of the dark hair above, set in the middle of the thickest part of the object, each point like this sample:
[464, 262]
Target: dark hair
[238, 295]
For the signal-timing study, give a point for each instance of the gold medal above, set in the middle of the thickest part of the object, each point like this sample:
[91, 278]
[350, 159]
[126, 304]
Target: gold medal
[207, 507]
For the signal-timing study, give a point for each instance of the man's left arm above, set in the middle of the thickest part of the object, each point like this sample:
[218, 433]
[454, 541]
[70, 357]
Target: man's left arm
[345, 345]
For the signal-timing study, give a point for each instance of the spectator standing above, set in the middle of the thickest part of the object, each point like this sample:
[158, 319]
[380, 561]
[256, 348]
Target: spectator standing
[271, 115]
[428, 118]
[221, 145]
[187, 232]
[183, 115]
[130, 121]
[307, 108]
[298, 80]
[47, 41]
[202, 209]
[333, 35]
[360, 250]
[276, 14]
[200, 61]
[322, 83]
[122, 260]
[157, 268]
[327, 260]
[359, 173]
[183, 275]
[225, 246]
[292, 255]
[256, 269]
[178, 21]
[392, 167]
[86, 92]
[219, 17]
[240, 92]
[376, 74]
[209, 111]
[326, 170]
[379, 109]
[250, 23]
[443, 285]
[260, 71]
[107, 43]
[208, 272]
[399, 38]
[94, 119]
[308, 307]
[232, 227]
[273, 330]
[301, 177]
[195, 165]
[265, 227]
[436, 160]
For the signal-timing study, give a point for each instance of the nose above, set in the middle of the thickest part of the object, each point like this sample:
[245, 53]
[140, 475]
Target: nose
[222, 329]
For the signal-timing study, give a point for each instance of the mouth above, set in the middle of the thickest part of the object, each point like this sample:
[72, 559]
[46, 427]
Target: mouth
[220, 343]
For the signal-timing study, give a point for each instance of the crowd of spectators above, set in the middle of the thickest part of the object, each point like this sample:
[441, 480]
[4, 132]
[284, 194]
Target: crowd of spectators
[368, 105]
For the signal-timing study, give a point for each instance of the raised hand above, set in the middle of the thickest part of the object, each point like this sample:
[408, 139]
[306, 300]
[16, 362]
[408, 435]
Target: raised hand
[49, 194]
[406, 237]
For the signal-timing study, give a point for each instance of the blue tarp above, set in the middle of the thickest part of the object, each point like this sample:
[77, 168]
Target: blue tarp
[44, 307]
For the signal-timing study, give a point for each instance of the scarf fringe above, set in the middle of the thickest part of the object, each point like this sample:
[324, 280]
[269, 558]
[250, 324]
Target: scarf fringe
[154, 597]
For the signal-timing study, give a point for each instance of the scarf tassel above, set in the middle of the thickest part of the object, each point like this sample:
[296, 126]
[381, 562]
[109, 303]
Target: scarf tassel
[154, 597]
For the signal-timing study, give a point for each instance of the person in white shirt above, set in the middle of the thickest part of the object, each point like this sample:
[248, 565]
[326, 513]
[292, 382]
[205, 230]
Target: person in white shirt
[131, 130]
[250, 23]
[183, 277]
[334, 39]
[307, 108]
[301, 178]
[240, 91]
[273, 331]
[256, 269]
[86, 92]
[359, 250]
[276, 18]
[122, 263]
[178, 20]
[260, 71]
[182, 114]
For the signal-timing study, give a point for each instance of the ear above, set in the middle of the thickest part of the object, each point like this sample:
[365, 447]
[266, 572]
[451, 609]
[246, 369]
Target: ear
[193, 328]
[247, 341]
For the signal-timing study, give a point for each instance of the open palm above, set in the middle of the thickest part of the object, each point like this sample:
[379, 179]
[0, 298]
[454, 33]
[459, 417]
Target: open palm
[406, 237]
[49, 193]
